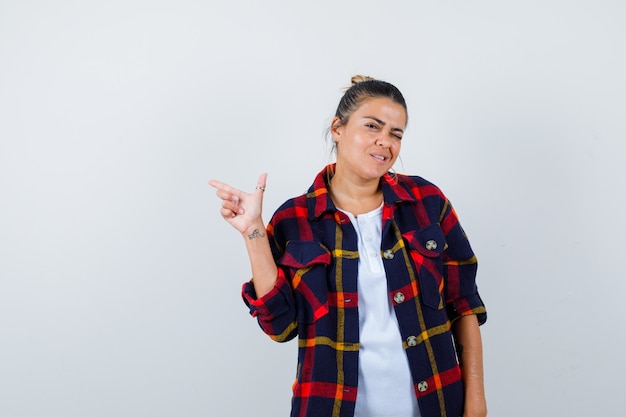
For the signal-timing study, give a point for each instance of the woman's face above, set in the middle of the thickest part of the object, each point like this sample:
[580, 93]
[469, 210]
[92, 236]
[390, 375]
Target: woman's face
[369, 144]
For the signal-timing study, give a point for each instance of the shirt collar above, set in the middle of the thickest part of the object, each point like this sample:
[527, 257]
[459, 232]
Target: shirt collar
[319, 201]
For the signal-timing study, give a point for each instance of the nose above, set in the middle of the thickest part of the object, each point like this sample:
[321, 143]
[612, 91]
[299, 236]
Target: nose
[383, 141]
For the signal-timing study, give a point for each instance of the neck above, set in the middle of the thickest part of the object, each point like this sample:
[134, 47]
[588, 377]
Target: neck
[356, 197]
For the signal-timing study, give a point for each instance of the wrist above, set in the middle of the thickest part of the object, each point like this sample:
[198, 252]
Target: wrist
[254, 231]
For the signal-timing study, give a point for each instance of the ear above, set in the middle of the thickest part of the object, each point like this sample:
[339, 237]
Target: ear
[336, 128]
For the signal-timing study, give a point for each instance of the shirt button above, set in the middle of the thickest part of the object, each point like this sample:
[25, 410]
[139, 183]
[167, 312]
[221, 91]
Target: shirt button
[431, 245]
[411, 341]
[422, 386]
[398, 297]
[388, 254]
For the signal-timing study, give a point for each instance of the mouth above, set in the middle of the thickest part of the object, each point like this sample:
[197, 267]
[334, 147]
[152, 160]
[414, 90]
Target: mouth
[380, 157]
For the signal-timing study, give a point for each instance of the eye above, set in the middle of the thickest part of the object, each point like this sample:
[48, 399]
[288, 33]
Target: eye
[399, 137]
[371, 126]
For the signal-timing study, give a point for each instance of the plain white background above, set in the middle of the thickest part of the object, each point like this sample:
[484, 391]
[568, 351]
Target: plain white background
[119, 281]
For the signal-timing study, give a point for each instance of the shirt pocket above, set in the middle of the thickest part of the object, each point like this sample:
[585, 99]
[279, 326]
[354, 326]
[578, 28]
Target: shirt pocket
[307, 263]
[426, 247]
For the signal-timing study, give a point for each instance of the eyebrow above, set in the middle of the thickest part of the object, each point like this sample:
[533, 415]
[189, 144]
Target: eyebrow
[397, 129]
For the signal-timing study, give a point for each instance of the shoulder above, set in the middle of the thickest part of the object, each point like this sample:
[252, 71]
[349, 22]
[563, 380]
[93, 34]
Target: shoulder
[289, 215]
[288, 208]
[418, 186]
[290, 222]
[413, 179]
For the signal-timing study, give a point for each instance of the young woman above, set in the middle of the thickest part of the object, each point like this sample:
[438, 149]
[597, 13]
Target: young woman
[374, 274]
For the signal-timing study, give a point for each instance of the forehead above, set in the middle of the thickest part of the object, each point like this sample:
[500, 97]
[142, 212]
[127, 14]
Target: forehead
[382, 108]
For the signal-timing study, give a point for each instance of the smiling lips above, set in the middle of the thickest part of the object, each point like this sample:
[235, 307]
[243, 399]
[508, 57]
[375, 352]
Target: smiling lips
[380, 157]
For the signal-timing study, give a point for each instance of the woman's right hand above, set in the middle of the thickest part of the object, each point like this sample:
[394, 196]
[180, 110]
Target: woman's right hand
[242, 210]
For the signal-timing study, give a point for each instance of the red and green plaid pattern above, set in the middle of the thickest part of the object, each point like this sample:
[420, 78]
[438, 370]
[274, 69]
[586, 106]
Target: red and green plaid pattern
[430, 270]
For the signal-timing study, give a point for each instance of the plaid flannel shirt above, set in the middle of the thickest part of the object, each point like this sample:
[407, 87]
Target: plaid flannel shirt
[430, 270]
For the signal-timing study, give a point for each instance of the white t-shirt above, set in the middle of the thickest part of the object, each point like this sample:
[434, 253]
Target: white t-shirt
[385, 383]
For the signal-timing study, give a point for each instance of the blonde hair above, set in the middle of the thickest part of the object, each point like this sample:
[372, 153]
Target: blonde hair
[359, 79]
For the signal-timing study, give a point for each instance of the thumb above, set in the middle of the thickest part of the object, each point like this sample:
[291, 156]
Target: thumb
[261, 183]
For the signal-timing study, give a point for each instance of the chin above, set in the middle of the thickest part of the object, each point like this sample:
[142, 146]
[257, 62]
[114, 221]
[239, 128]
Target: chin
[379, 173]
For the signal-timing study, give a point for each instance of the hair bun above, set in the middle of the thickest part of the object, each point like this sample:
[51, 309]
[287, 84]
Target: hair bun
[360, 78]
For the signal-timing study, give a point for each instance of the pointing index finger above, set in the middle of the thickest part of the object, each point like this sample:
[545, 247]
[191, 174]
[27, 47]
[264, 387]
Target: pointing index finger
[220, 185]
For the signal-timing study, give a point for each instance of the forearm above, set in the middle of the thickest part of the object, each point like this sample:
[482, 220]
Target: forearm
[264, 270]
[467, 336]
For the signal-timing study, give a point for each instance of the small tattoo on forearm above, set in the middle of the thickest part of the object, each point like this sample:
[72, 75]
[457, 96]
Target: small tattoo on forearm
[256, 234]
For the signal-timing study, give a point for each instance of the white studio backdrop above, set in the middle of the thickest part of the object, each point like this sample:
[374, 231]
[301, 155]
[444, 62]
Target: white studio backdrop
[119, 281]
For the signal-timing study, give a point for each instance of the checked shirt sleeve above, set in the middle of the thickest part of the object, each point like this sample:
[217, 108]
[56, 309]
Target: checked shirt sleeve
[274, 311]
[459, 269]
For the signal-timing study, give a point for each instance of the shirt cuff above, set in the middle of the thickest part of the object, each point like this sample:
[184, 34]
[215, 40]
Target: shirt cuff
[272, 304]
[472, 304]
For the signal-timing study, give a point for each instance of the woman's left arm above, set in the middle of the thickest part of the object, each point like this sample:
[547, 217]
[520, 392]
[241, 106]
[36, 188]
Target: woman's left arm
[468, 340]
